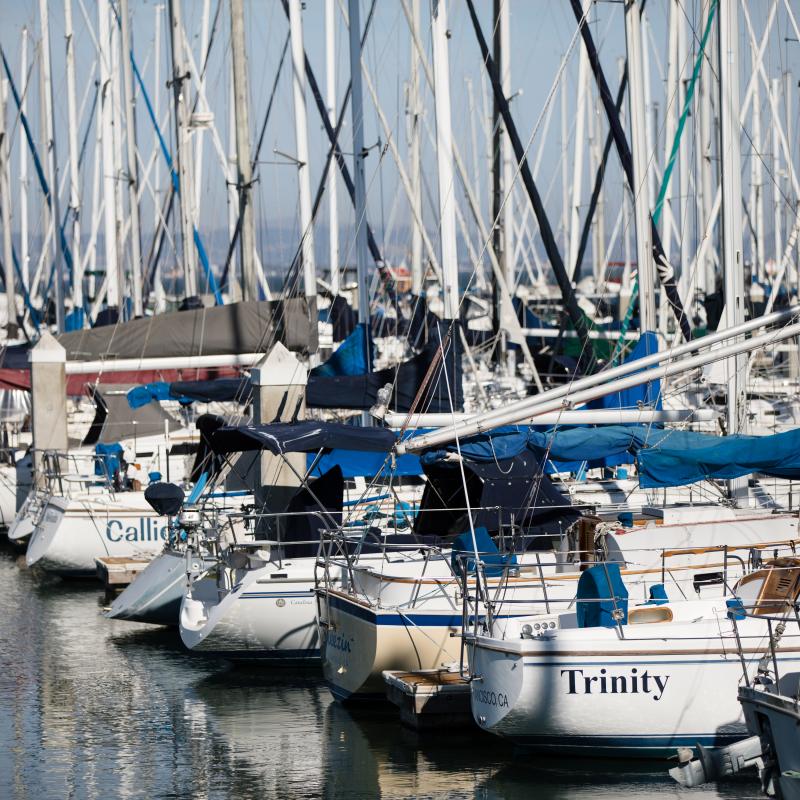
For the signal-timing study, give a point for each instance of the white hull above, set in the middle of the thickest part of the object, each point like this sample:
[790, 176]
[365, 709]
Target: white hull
[24, 522]
[156, 593]
[74, 532]
[590, 691]
[269, 614]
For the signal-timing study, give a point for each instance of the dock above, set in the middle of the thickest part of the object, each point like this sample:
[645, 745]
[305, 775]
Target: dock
[429, 699]
[117, 572]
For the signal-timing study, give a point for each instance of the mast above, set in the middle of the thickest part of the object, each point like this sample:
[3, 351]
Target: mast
[498, 230]
[117, 107]
[706, 270]
[5, 209]
[201, 105]
[181, 91]
[414, 135]
[24, 252]
[330, 92]
[644, 257]
[577, 160]
[301, 139]
[671, 112]
[685, 61]
[234, 286]
[757, 187]
[731, 161]
[72, 143]
[357, 111]
[158, 283]
[444, 158]
[52, 166]
[777, 197]
[105, 112]
[132, 167]
[564, 175]
[625, 286]
[502, 166]
[506, 153]
[244, 178]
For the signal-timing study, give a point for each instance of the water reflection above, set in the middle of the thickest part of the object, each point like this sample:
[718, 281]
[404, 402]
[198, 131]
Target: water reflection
[96, 708]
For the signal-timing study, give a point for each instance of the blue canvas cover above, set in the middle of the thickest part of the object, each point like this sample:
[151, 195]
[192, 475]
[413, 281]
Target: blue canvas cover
[664, 457]
[140, 396]
[683, 457]
[350, 358]
[354, 463]
[108, 459]
[464, 547]
[575, 444]
[214, 391]
[601, 592]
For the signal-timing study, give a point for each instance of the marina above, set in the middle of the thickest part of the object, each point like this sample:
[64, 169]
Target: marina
[92, 708]
[400, 399]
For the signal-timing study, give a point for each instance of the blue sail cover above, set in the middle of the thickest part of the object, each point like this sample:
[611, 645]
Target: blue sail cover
[664, 457]
[350, 357]
[684, 457]
[569, 448]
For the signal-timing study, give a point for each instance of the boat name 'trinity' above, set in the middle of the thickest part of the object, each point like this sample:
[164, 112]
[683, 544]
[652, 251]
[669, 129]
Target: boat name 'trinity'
[581, 681]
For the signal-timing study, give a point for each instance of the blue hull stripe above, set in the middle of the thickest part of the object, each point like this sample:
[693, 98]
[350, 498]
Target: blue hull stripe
[261, 595]
[402, 620]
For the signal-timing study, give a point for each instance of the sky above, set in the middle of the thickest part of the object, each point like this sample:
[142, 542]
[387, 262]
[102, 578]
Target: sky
[542, 31]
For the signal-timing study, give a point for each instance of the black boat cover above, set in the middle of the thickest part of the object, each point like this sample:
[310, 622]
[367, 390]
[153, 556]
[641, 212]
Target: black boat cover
[442, 393]
[499, 493]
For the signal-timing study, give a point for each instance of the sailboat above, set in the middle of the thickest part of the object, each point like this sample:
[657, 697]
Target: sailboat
[622, 679]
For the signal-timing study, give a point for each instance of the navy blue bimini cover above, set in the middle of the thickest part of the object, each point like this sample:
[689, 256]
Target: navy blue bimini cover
[441, 378]
[302, 437]
[600, 592]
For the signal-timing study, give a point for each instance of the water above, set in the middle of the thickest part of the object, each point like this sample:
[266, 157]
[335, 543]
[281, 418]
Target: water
[91, 708]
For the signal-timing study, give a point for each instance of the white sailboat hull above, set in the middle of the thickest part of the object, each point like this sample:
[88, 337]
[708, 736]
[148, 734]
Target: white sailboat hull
[156, 593]
[642, 692]
[73, 532]
[269, 615]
